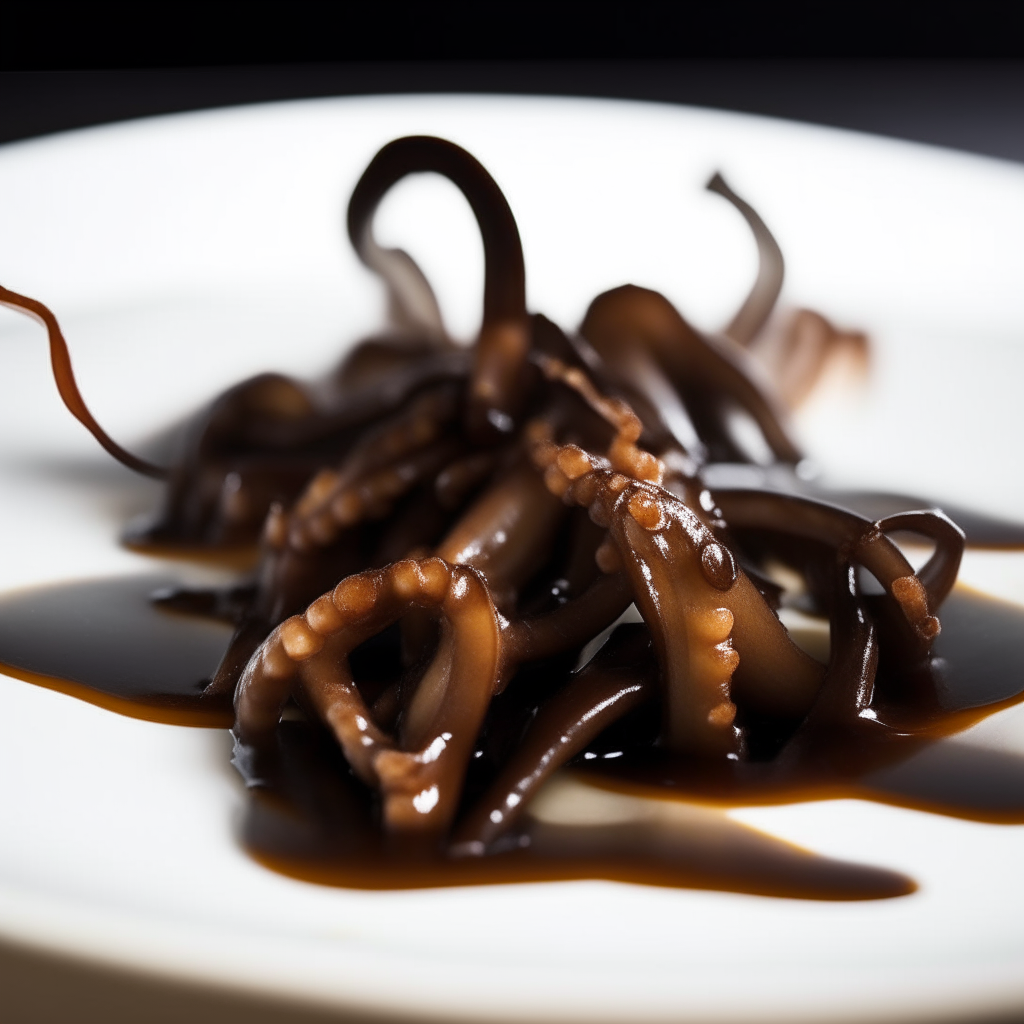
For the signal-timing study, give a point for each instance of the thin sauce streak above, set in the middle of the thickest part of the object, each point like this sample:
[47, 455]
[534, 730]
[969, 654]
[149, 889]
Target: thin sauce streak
[309, 818]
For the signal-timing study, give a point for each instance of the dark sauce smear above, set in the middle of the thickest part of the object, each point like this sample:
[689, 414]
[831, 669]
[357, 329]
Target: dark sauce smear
[116, 649]
[309, 817]
[447, 540]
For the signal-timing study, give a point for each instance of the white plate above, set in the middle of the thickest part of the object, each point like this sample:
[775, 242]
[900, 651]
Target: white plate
[185, 252]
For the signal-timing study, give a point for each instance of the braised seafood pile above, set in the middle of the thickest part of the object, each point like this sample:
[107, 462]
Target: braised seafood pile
[453, 539]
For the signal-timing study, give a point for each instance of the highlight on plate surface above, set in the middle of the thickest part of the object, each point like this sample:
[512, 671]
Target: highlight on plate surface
[495, 584]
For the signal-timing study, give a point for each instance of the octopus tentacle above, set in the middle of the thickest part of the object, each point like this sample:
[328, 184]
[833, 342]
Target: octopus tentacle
[939, 573]
[263, 440]
[386, 464]
[624, 455]
[864, 541]
[677, 602]
[412, 304]
[498, 378]
[606, 689]
[60, 359]
[757, 307]
[639, 333]
[848, 687]
[797, 356]
[506, 534]
[420, 773]
[571, 625]
[706, 617]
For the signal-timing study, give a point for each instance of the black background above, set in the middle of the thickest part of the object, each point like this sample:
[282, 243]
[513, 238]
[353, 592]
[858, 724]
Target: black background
[946, 72]
[975, 104]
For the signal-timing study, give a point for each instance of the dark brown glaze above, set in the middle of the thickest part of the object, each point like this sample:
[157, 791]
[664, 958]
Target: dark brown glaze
[107, 642]
[309, 819]
[447, 539]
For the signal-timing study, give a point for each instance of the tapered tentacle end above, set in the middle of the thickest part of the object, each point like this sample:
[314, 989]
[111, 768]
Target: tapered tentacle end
[60, 359]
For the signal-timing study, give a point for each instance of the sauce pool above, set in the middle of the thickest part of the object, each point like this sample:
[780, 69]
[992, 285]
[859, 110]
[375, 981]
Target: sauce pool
[308, 816]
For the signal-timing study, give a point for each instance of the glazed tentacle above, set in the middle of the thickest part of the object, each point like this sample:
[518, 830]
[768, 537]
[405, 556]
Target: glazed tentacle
[374, 473]
[498, 379]
[624, 455]
[848, 687]
[338, 501]
[863, 541]
[614, 683]
[60, 359]
[692, 595]
[939, 573]
[420, 775]
[412, 304]
[571, 625]
[754, 312]
[631, 324]
[506, 533]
